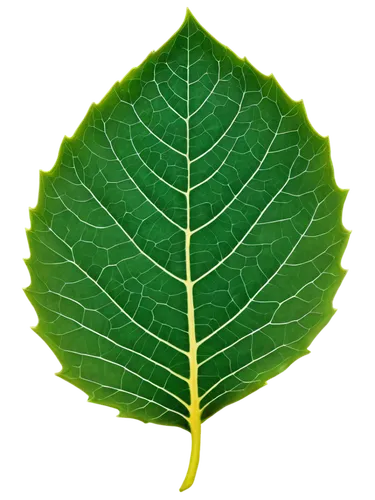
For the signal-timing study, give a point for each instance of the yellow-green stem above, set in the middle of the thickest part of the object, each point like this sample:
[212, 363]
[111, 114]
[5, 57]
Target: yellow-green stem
[195, 429]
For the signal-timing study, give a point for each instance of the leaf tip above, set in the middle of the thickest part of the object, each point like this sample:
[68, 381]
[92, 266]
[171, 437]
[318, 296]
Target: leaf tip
[188, 12]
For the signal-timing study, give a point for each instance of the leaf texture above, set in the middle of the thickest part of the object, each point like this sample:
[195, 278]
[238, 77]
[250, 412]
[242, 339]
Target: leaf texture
[186, 246]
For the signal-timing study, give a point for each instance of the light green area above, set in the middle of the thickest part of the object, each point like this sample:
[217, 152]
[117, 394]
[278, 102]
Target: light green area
[194, 144]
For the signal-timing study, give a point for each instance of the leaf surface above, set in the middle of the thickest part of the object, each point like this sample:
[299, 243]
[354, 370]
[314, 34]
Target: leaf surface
[186, 246]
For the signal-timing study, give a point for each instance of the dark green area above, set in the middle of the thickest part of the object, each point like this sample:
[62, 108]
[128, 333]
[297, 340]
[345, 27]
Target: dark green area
[107, 237]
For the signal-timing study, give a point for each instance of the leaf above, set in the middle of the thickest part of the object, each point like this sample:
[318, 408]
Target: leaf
[186, 246]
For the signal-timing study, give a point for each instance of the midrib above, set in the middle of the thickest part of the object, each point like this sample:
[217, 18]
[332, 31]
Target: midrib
[193, 379]
[195, 417]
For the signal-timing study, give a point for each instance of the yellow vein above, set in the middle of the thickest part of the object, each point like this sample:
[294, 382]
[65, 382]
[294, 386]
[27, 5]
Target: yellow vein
[106, 293]
[125, 368]
[118, 224]
[137, 396]
[135, 184]
[172, 372]
[240, 311]
[245, 184]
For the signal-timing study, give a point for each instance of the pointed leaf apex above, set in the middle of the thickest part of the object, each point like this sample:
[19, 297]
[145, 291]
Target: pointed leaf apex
[188, 13]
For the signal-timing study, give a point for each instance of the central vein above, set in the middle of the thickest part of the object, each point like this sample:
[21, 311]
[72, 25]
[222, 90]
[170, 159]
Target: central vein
[194, 418]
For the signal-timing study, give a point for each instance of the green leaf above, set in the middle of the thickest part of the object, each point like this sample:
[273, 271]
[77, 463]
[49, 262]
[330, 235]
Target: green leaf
[186, 246]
